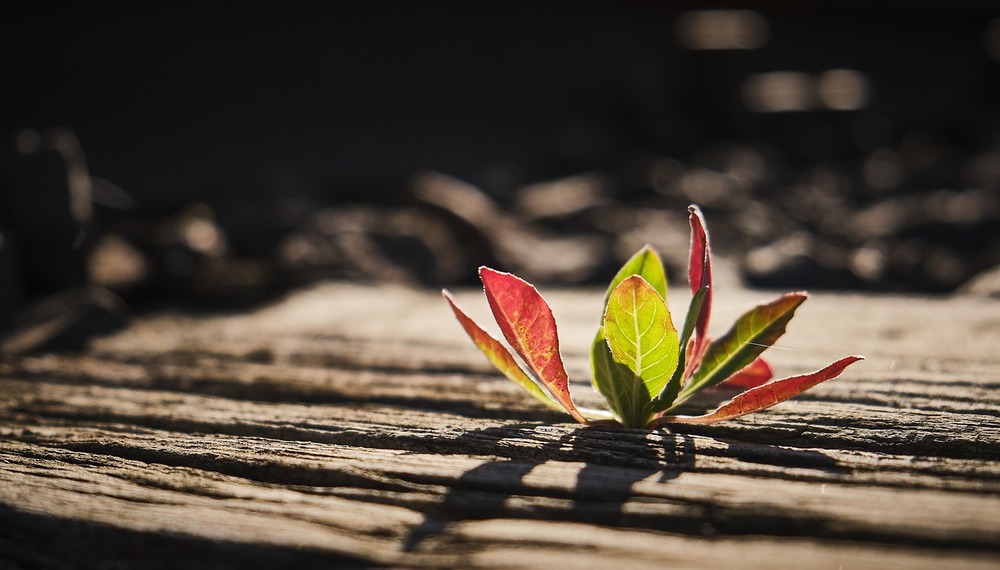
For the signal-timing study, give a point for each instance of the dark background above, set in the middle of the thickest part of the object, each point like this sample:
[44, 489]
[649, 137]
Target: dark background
[240, 151]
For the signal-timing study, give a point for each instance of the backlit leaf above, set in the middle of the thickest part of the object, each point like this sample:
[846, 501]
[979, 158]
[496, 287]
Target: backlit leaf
[753, 375]
[699, 276]
[764, 396]
[666, 398]
[641, 334]
[527, 323]
[625, 392]
[646, 264]
[751, 335]
[500, 356]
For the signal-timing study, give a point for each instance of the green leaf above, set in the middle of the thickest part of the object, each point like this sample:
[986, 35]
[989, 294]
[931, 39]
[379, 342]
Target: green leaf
[666, 398]
[640, 333]
[500, 356]
[625, 392]
[646, 264]
[764, 396]
[611, 379]
[751, 335]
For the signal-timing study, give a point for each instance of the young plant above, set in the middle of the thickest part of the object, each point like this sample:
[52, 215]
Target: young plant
[641, 364]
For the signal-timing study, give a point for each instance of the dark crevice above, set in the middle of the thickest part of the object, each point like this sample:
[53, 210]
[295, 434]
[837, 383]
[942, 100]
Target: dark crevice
[602, 489]
[894, 439]
[602, 446]
[280, 391]
[262, 471]
[348, 360]
[34, 541]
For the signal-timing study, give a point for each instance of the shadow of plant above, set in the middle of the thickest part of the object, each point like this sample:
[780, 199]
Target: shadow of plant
[614, 460]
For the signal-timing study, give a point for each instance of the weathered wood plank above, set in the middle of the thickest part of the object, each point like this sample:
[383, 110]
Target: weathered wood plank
[357, 426]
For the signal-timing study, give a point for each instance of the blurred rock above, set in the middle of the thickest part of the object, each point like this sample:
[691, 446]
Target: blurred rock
[117, 265]
[791, 221]
[890, 217]
[802, 261]
[510, 243]
[369, 243]
[63, 321]
[45, 202]
[545, 258]
[882, 219]
[869, 263]
[233, 281]
[632, 228]
[475, 219]
[46, 229]
[788, 260]
[985, 284]
[563, 197]
[184, 256]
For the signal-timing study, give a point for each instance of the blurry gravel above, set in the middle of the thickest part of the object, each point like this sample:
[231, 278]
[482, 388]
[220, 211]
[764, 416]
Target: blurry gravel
[888, 222]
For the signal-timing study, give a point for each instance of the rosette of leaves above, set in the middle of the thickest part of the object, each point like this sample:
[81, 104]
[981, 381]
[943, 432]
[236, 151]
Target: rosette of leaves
[641, 363]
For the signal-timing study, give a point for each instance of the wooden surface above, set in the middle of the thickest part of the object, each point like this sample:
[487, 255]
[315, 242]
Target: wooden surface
[357, 426]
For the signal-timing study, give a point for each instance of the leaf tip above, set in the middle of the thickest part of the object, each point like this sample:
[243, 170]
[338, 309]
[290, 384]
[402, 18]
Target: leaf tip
[798, 296]
[633, 279]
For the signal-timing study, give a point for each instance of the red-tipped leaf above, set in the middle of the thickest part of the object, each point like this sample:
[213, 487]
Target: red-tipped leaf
[755, 374]
[749, 336]
[766, 395]
[699, 276]
[528, 325]
[500, 356]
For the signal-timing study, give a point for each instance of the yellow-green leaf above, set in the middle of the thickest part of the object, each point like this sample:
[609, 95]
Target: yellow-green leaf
[641, 334]
[666, 397]
[646, 264]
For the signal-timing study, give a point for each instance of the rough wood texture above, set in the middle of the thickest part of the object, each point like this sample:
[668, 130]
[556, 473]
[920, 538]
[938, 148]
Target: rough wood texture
[352, 426]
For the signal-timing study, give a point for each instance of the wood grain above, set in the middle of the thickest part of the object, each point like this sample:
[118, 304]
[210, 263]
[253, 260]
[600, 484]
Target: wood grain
[353, 426]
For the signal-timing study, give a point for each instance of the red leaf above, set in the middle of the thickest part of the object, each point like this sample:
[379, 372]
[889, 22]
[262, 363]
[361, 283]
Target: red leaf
[500, 356]
[700, 275]
[527, 323]
[753, 375]
[765, 396]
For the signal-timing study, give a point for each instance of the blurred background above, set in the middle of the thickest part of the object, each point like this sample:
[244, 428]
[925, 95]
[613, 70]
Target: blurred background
[216, 156]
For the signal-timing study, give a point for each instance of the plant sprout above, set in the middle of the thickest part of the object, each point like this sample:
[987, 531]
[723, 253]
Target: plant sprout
[643, 366]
